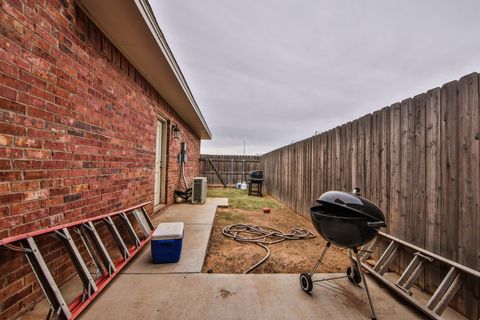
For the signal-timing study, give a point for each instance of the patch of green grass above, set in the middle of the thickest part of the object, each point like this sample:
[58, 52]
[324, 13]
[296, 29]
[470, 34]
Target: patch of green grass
[232, 217]
[241, 200]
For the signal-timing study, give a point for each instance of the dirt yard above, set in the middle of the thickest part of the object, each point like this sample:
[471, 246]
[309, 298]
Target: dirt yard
[226, 255]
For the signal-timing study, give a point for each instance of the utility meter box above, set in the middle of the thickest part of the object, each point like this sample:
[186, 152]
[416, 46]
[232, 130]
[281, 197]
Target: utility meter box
[182, 156]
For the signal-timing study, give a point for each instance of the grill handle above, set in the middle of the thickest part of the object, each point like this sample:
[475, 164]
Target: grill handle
[376, 225]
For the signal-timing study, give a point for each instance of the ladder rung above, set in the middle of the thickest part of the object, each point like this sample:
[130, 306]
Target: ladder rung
[140, 220]
[88, 245]
[147, 218]
[386, 259]
[45, 279]
[82, 270]
[452, 290]
[118, 238]
[130, 230]
[367, 250]
[424, 257]
[410, 274]
[102, 251]
[445, 291]
[415, 274]
[412, 271]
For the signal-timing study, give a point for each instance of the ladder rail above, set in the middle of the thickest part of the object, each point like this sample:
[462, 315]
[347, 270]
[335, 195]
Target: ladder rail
[67, 225]
[436, 257]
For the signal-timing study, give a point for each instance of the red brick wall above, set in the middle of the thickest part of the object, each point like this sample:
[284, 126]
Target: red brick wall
[77, 132]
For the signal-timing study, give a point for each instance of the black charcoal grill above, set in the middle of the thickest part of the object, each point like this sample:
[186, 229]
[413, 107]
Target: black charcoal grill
[349, 221]
[256, 175]
[255, 183]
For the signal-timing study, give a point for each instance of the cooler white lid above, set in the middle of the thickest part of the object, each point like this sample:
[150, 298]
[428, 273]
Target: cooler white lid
[168, 230]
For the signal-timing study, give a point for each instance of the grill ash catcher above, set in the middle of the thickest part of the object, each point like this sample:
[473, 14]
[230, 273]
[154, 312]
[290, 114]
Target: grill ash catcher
[348, 221]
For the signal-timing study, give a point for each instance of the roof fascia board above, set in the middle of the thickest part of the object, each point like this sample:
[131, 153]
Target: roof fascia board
[150, 20]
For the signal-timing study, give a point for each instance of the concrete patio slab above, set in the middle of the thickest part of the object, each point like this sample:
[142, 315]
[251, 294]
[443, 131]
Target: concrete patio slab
[195, 243]
[253, 296]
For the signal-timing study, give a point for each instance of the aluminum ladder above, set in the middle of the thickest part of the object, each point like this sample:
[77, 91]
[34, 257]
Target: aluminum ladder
[95, 248]
[445, 291]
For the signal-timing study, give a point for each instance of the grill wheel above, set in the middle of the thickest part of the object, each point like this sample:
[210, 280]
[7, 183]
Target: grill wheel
[306, 282]
[354, 275]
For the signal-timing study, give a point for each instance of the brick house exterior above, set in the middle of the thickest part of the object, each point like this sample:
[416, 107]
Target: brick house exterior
[77, 131]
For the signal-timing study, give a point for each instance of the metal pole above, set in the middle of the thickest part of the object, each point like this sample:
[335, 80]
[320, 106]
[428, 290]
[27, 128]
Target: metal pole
[232, 174]
[359, 263]
[243, 163]
[320, 259]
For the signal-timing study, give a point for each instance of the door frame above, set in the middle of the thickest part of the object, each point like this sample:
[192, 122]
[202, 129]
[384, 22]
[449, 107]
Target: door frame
[163, 171]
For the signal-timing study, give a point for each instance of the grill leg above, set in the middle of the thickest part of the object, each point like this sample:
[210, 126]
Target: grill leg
[324, 252]
[359, 263]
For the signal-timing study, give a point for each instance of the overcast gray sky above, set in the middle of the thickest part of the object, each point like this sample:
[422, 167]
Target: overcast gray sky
[270, 72]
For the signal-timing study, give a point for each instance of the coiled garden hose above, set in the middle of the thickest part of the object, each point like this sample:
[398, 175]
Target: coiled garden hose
[263, 236]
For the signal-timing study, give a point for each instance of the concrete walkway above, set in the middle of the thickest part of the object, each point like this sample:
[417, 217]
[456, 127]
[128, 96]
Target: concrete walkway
[198, 220]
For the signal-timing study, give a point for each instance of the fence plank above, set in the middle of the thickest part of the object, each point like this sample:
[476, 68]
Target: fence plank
[405, 218]
[361, 154]
[367, 192]
[354, 164]
[433, 183]
[405, 169]
[468, 177]
[384, 200]
[449, 140]
[395, 173]
[417, 236]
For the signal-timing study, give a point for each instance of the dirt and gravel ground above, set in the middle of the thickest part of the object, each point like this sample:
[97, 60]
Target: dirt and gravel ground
[294, 256]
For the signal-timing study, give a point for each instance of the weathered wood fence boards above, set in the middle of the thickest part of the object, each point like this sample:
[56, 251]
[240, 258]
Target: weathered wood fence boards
[418, 160]
[229, 167]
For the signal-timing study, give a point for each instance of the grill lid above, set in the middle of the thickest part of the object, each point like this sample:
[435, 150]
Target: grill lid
[256, 175]
[336, 200]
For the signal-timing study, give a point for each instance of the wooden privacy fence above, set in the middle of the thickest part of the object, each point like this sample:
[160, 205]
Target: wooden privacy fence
[417, 159]
[227, 169]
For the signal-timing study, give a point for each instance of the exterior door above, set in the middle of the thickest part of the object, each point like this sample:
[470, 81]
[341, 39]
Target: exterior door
[159, 189]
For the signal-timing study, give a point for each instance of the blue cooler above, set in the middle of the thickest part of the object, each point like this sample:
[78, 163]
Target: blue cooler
[167, 241]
